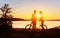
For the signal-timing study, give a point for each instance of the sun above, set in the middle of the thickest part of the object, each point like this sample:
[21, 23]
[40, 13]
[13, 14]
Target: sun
[37, 16]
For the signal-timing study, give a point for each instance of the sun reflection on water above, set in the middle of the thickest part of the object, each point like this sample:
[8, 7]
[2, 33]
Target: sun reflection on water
[37, 24]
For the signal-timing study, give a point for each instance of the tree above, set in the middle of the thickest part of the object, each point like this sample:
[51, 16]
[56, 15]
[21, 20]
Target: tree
[6, 16]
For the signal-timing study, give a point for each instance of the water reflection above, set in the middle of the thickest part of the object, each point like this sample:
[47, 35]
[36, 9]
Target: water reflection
[37, 24]
[22, 24]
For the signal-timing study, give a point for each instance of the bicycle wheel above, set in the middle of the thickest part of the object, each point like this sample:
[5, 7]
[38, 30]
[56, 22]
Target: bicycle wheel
[28, 26]
[44, 27]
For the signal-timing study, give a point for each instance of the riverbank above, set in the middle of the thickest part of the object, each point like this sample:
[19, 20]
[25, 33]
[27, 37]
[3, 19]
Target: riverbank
[23, 33]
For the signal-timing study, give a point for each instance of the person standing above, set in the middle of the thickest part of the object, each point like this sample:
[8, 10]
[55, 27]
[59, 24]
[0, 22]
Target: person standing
[34, 19]
[41, 20]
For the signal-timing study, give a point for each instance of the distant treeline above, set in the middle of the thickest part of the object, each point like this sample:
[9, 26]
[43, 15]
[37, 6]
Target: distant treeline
[21, 19]
[14, 19]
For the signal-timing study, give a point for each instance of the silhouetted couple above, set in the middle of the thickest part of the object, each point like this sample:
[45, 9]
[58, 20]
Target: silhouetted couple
[34, 19]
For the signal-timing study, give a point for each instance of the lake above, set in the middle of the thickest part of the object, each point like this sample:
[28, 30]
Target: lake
[22, 24]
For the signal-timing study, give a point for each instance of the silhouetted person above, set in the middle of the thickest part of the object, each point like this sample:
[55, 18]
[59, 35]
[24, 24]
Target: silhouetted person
[34, 19]
[41, 20]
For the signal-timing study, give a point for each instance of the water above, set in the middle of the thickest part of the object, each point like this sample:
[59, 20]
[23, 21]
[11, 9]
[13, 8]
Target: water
[22, 24]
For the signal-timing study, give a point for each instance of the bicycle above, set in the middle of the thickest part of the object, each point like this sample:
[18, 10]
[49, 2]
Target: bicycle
[29, 26]
[43, 26]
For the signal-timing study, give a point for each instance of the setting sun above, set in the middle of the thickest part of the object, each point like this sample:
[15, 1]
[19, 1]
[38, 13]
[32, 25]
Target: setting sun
[37, 16]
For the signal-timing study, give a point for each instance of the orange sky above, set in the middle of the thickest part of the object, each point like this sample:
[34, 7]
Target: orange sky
[25, 8]
[27, 14]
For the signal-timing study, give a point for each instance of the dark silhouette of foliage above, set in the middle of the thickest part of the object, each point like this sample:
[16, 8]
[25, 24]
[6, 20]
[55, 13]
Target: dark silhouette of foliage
[5, 21]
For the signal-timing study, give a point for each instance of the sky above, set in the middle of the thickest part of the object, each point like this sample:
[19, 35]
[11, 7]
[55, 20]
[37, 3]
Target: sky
[25, 8]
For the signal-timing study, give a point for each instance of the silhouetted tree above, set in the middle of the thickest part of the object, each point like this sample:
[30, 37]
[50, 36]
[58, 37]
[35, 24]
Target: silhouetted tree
[6, 17]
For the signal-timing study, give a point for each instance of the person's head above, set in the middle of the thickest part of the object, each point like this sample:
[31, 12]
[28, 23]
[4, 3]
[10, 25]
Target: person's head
[40, 12]
[34, 11]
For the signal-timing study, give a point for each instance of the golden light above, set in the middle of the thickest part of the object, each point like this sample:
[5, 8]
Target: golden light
[37, 16]
[37, 25]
